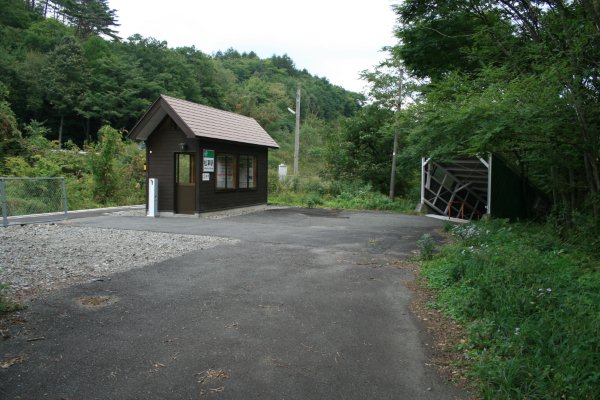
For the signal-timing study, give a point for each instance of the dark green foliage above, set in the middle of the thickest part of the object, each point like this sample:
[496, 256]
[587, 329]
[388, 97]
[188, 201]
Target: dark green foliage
[362, 150]
[66, 78]
[8, 122]
[14, 13]
[365, 142]
[10, 143]
[519, 79]
[531, 305]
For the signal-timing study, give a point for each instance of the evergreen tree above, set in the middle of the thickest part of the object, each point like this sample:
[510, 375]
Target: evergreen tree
[66, 75]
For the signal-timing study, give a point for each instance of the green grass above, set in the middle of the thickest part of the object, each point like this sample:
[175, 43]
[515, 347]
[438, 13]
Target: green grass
[531, 307]
[372, 201]
[5, 305]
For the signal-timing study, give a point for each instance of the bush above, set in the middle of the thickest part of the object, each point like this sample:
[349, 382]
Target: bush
[313, 200]
[426, 246]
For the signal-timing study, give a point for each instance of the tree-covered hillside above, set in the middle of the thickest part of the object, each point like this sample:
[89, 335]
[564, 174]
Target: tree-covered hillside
[63, 66]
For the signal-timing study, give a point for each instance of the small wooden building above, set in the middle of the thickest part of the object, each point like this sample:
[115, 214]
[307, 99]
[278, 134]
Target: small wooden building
[203, 159]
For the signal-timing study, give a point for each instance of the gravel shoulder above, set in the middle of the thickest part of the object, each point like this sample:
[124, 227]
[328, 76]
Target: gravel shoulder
[39, 259]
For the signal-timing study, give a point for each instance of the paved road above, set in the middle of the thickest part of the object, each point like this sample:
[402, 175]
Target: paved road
[306, 306]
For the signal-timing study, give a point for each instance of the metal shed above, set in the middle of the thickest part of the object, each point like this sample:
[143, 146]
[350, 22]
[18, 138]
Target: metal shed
[470, 188]
[204, 159]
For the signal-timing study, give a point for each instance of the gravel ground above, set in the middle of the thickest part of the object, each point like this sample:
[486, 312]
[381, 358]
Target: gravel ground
[37, 259]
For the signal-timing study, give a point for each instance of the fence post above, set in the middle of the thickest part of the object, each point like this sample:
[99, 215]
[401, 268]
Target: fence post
[4, 210]
[64, 190]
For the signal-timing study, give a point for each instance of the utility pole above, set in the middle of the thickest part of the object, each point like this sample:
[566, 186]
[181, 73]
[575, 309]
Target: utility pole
[398, 109]
[297, 136]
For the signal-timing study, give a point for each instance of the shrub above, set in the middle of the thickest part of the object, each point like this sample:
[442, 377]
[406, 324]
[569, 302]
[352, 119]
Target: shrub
[314, 200]
[426, 246]
[103, 164]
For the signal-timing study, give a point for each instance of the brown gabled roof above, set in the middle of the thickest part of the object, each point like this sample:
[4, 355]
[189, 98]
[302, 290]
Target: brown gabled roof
[196, 120]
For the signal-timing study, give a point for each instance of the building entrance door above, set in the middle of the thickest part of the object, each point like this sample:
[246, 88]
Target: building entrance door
[185, 183]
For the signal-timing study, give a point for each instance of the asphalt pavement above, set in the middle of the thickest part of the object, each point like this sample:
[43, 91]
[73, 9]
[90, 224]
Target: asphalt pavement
[308, 305]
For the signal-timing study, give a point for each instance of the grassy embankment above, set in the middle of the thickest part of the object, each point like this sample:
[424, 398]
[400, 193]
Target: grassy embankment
[530, 304]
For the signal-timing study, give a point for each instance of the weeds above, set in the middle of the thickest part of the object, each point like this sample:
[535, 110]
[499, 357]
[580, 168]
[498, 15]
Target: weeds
[314, 192]
[5, 305]
[426, 246]
[531, 305]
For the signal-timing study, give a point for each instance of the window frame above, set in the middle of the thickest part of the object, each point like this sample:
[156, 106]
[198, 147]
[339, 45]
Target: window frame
[233, 175]
[252, 158]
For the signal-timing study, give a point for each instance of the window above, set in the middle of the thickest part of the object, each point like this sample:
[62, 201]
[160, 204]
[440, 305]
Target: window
[247, 172]
[185, 168]
[226, 171]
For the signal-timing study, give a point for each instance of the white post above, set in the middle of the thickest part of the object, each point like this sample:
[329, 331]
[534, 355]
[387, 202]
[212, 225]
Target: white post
[489, 193]
[152, 197]
[4, 203]
[422, 180]
[282, 172]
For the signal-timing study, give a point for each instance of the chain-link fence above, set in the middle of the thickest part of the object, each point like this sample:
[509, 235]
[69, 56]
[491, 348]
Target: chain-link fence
[26, 200]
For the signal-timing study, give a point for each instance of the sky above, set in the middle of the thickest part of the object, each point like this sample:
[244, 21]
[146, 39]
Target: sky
[334, 39]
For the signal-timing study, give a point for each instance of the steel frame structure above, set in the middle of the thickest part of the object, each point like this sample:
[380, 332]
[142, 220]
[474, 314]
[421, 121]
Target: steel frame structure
[459, 188]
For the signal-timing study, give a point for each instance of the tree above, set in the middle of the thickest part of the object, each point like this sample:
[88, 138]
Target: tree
[103, 161]
[89, 17]
[15, 13]
[362, 151]
[66, 75]
[10, 135]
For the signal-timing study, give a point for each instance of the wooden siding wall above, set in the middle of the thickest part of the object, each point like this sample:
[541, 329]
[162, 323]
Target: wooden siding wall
[161, 147]
[211, 199]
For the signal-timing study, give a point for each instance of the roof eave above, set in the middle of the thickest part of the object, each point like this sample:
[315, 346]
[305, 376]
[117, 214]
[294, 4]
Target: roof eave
[153, 117]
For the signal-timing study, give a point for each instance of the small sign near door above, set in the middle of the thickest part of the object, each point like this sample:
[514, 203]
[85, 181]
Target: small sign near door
[208, 156]
[205, 176]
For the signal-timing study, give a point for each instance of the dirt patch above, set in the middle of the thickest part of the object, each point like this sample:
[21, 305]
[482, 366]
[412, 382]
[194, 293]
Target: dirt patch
[9, 362]
[447, 335]
[211, 381]
[95, 302]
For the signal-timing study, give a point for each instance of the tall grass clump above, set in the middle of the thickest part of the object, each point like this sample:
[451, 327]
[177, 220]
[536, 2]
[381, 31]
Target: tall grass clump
[531, 306]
